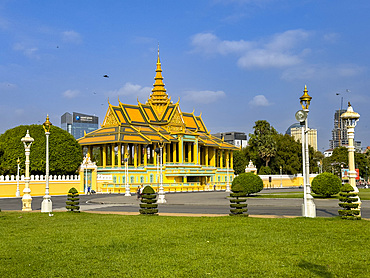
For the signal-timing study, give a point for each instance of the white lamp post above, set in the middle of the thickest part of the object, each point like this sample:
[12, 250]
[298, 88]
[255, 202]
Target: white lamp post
[47, 205]
[227, 178]
[308, 206]
[27, 199]
[17, 193]
[161, 195]
[127, 186]
[351, 118]
[281, 176]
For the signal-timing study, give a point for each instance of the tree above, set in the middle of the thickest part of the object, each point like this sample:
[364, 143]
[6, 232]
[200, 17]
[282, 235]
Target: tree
[326, 184]
[263, 141]
[73, 200]
[65, 154]
[148, 204]
[348, 202]
[250, 182]
[238, 205]
[240, 161]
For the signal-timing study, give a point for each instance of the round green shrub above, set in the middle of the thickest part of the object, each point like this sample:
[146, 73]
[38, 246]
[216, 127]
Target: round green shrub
[326, 184]
[148, 204]
[350, 207]
[73, 200]
[250, 182]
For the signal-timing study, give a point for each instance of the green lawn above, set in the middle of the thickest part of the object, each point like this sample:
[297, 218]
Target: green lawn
[364, 195]
[94, 245]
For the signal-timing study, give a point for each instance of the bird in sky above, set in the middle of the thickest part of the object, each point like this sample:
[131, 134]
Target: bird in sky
[106, 76]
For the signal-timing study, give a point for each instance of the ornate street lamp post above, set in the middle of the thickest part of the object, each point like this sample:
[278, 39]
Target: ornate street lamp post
[308, 206]
[281, 176]
[47, 205]
[227, 181]
[127, 186]
[17, 193]
[161, 196]
[351, 118]
[27, 199]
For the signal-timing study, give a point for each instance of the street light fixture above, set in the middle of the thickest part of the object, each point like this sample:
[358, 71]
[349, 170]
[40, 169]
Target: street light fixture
[351, 118]
[161, 196]
[27, 199]
[17, 193]
[47, 205]
[281, 176]
[127, 186]
[227, 181]
[308, 207]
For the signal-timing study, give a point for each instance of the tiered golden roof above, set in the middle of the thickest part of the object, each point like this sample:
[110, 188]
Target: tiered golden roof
[158, 120]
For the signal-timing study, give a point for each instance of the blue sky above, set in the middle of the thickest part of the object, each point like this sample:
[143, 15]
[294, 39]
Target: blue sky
[234, 61]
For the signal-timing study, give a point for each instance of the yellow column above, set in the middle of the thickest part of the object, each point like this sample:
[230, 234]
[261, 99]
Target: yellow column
[181, 150]
[189, 152]
[119, 154]
[90, 152]
[231, 160]
[164, 154]
[155, 154]
[113, 155]
[104, 156]
[221, 159]
[135, 155]
[214, 157]
[139, 153]
[124, 150]
[195, 152]
[174, 152]
[168, 151]
[206, 156]
[145, 156]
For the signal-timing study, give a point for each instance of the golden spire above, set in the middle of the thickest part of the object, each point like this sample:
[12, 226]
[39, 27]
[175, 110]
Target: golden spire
[159, 95]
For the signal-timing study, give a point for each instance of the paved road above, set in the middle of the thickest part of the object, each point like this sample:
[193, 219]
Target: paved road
[191, 203]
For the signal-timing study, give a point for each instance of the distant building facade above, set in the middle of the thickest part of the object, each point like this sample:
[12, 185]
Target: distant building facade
[77, 123]
[296, 133]
[339, 133]
[238, 139]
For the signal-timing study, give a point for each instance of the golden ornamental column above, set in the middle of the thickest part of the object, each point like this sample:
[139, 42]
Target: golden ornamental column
[168, 152]
[145, 156]
[113, 155]
[189, 152]
[221, 159]
[206, 156]
[181, 150]
[90, 151]
[195, 152]
[135, 156]
[119, 154]
[104, 156]
[231, 159]
[139, 154]
[164, 154]
[174, 155]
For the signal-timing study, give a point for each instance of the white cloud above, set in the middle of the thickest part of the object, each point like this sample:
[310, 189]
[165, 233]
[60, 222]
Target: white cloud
[203, 96]
[259, 100]
[71, 93]
[321, 72]
[26, 50]
[133, 90]
[280, 50]
[71, 37]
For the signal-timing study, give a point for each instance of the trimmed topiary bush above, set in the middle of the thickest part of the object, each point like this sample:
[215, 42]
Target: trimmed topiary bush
[238, 201]
[348, 199]
[250, 182]
[148, 204]
[73, 200]
[326, 184]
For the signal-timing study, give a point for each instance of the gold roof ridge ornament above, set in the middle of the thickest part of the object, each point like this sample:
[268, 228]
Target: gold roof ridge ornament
[305, 99]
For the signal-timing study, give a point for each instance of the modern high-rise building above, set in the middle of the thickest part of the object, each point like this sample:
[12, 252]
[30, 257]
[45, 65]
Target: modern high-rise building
[339, 133]
[77, 123]
[238, 139]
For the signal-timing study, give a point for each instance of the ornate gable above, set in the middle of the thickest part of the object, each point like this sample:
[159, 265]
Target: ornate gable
[110, 118]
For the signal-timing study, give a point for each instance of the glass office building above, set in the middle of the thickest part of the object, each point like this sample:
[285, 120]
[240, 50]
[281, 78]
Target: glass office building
[77, 123]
